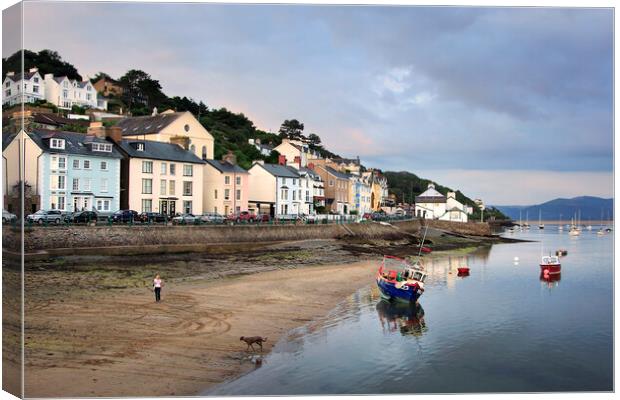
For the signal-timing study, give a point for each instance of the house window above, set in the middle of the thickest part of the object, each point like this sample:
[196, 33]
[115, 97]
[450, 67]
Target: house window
[104, 185]
[294, 193]
[104, 165]
[86, 164]
[238, 179]
[162, 187]
[7, 93]
[173, 169]
[284, 181]
[105, 147]
[88, 96]
[7, 84]
[331, 182]
[87, 184]
[188, 170]
[238, 194]
[58, 162]
[65, 94]
[171, 188]
[76, 164]
[103, 205]
[147, 167]
[238, 209]
[147, 186]
[226, 194]
[187, 188]
[57, 143]
[192, 148]
[147, 205]
[164, 168]
[36, 80]
[227, 180]
[76, 184]
[58, 182]
[294, 181]
[187, 206]
[204, 152]
[140, 147]
[57, 202]
[35, 89]
[215, 194]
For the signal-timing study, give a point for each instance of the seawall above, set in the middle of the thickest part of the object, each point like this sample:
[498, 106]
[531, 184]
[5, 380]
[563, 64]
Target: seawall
[144, 239]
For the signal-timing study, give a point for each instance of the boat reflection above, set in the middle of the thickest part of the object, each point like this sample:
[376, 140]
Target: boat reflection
[550, 280]
[404, 318]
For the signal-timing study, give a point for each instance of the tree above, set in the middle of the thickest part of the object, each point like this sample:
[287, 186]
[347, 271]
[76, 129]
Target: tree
[314, 139]
[141, 91]
[48, 62]
[292, 129]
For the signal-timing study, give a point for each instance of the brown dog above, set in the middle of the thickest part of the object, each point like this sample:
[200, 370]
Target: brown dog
[254, 339]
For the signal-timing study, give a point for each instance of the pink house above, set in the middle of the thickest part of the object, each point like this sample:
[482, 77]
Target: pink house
[226, 187]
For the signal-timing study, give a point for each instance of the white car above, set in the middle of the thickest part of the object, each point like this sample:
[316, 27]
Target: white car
[8, 217]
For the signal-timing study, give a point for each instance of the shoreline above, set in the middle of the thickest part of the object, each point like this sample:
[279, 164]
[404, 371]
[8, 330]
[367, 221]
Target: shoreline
[108, 327]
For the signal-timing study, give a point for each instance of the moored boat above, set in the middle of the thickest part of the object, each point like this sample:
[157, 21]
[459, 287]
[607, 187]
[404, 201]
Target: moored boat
[399, 280]
[550, 265]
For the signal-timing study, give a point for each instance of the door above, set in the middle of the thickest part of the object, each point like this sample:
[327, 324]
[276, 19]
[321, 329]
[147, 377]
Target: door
[163, 207]
[172, 207]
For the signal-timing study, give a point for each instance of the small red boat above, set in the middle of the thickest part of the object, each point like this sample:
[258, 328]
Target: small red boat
[425, 249]
[550, 265]
[463, 270]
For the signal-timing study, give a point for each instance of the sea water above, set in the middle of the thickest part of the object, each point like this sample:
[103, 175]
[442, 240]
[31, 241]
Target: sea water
[503, 328]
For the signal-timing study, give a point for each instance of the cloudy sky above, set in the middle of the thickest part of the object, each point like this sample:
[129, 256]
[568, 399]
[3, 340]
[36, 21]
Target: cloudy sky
[513, 105]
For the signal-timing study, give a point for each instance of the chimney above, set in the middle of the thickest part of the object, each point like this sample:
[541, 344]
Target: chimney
[20, 120]
[10, 73]
[97, 130]
[154, 112]
[311, 166]
[182, 141]
[230, 158]
[33, 69]
[298, 161]
[261, 162]
[282, 159]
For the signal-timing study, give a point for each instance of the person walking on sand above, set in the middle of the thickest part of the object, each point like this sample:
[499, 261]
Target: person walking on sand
[157, 285]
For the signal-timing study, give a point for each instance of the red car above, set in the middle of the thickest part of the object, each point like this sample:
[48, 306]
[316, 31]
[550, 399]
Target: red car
[243, 216]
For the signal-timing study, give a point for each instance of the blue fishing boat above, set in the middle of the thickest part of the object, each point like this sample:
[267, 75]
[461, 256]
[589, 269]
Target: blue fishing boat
[399, 280]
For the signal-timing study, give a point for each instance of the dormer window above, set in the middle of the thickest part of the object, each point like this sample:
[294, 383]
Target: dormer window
[105, 147]
[57, 144]
[65, 84]
[140, 146]
[88, 87]
[36, 80]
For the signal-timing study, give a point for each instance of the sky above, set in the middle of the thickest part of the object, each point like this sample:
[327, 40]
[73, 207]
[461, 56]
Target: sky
[511, 105]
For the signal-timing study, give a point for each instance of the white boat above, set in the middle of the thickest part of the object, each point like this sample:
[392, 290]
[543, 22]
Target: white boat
[540, 224]
[589, 227]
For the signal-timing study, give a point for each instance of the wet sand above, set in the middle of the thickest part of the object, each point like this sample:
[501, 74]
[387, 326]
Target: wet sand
[93, 328]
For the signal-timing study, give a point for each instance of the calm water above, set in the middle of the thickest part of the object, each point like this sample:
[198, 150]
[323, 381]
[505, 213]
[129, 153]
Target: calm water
[501, 329]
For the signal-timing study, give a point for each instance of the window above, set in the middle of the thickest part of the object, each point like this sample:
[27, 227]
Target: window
[238, 209]
[186, 127]
[87, 184]
[7, 84]
[204, 152]
[147, 167]
[238, 180]
[103, 205]
[294, 181]
[192, 148]
[227, 180]
[187, 188]
[76, 184]
[76, 164]
[164, 168]
[35, 89]
[140, 146]
[238, 195]
[294, 193]
[58, 182]
[173, 169]
[104, 165]
[57, 143]
[104, 185]
[215, 210]
[171, 188]
[331, 182]
[7, 93]
[188, 170]
[147, 205]
[284, 181]
[57, 202]
[86, 164]
[58, 162]
[36, 80]
[147, 186]
[226, 194]
[162, 187]
[88, 96]
[215, 194]
[105, 147]
[187, 207]
[65, 94]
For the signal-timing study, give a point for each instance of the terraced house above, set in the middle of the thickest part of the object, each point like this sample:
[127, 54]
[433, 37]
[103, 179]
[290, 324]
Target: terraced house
[275, 189]
[66, 171]
[226, 186]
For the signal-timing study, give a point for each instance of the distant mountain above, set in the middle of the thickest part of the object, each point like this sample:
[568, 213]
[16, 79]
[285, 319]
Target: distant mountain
[589, 208]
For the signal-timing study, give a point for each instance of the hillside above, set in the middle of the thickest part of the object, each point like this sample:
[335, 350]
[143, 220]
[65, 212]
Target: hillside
[406, 186]
[590, 208]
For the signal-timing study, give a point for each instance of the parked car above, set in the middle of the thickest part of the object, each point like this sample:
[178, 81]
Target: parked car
[42, 216]
[147, 217]
[185, 218]
[8, 217]
[125, 216]
[378, 216]
[82, 217]
[367, 216]
[308, 218]
[243, 216]
[263, 218]
[212, 218]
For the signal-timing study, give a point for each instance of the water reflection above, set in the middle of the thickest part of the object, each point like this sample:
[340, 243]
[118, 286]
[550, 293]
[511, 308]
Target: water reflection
[444, 271]
[551, 280]
[404, 318]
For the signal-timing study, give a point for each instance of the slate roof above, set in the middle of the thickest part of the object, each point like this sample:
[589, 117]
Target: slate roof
[310, 172]
[17, 77]
[75, 143]
[431, 192]
[7, 138]
[225, 166]
[147, 125]
[337, 174]
[57, 120]
[159, 151]
[280, 170]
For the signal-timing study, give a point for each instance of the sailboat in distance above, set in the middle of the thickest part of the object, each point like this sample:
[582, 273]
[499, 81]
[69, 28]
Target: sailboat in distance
[540, 224]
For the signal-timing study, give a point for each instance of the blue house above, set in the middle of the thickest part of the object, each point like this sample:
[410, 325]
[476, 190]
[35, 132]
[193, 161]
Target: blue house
[76, 171]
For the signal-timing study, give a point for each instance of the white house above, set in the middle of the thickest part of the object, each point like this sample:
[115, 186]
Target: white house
[433, 205]
[312, 190]
[274, 186]
[263, 148]
[65, 93]
[27, 87]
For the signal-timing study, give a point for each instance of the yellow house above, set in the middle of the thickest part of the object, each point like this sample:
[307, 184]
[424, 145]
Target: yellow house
[19, 148]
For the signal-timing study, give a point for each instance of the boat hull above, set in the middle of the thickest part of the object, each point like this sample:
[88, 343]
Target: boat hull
[407, 294]
[552, 268]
